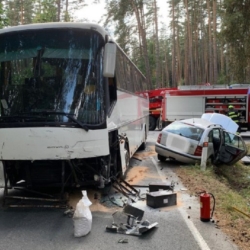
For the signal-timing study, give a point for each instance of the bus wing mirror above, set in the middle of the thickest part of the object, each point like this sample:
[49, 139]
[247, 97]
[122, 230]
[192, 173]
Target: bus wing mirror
[109, 60]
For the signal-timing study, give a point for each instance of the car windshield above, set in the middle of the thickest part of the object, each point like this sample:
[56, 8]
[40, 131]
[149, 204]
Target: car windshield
[53, 71]
[185, 130]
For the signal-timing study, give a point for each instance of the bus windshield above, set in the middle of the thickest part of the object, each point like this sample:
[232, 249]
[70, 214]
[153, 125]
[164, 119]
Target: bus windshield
[58, 71]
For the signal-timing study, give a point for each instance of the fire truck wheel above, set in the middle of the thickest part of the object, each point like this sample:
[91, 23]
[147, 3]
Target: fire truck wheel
[159, 124]
[152, 123]
[161, 158]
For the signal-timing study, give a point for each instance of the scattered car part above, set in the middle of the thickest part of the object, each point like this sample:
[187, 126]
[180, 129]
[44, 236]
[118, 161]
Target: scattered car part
[126, 189]
[129, 221]
[161, 198]
[153, 187]
[123, 241]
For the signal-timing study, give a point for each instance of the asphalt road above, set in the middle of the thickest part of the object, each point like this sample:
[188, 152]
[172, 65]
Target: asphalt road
[179, 226]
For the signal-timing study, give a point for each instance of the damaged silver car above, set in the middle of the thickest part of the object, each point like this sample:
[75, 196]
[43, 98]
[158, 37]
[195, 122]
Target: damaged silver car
[184, 141]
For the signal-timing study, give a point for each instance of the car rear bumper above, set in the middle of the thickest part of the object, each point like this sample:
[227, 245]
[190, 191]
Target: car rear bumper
[185, 158]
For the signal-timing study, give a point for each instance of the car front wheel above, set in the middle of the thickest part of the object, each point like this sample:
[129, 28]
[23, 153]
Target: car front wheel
[161, 158]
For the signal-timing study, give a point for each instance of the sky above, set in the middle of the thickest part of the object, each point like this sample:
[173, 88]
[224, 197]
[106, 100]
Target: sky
[93, 12]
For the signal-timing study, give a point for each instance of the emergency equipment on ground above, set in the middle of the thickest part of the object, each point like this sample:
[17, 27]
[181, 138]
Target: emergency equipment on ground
[205, 210]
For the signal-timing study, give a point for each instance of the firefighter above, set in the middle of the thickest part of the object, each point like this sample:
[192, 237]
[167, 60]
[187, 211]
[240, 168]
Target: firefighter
[234, 115]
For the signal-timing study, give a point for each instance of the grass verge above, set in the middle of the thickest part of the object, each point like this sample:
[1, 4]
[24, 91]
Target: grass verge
[230, 186]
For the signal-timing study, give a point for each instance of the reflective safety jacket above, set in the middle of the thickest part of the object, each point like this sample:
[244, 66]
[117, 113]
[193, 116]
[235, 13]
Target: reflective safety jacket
[234, 115]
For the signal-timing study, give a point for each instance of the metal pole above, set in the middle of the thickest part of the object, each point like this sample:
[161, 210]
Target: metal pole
[204, 154]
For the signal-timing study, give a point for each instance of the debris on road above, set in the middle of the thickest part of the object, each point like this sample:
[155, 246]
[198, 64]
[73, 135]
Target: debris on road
[161, 198]
[158, 186]
[123, 241]
[126, 189]
[69, 212]
[82, 216]
[129, 222]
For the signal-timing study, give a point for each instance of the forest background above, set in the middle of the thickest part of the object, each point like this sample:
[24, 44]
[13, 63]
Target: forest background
[205, 41]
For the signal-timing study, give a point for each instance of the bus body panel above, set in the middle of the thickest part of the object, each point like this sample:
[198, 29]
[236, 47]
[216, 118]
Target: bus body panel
[129, 117]
[44, 143]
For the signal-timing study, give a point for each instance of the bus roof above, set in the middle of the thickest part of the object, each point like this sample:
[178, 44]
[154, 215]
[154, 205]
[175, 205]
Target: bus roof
[56, 25]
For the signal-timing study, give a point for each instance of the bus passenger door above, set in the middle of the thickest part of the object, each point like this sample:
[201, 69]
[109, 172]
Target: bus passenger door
[232, 149]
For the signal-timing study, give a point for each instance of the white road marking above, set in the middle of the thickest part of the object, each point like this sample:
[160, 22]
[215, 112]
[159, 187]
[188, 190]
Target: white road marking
[197, 236]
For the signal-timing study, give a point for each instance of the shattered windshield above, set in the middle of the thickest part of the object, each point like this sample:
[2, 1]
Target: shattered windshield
[50, 73]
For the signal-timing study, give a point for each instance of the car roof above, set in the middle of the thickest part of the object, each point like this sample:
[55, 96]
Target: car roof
[199, 122]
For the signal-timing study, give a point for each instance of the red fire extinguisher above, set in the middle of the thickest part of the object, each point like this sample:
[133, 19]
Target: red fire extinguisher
[205, 215]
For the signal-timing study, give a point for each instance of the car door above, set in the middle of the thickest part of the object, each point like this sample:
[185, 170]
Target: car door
[214, 142]
[232, 148]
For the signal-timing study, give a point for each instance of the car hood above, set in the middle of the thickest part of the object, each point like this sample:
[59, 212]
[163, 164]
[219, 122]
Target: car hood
[226, 122]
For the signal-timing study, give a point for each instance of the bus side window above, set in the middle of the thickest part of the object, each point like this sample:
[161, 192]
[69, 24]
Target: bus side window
[5, 73]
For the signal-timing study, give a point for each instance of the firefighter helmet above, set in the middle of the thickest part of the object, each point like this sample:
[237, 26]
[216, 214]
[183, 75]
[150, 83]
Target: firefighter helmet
[231, 106]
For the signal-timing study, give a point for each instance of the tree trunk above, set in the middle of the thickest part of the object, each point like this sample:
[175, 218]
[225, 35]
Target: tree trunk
[141, 27]
[173, 47]
[21, 12]
[178, 58]
[210, 51]
[157, 53]
[190, 46]
[214, 40]
[58, 10]
[166, 69]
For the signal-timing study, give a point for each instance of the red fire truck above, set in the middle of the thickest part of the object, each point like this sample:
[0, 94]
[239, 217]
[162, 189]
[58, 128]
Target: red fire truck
[182, 104]
[155, 105]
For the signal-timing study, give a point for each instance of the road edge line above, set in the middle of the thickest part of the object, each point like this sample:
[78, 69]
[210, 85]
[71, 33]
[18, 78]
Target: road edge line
[194, 231]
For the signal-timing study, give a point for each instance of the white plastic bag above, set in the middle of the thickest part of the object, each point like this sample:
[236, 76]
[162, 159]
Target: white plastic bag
[82, 216]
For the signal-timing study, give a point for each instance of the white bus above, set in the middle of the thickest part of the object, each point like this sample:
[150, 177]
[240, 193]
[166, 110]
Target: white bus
[69, 112]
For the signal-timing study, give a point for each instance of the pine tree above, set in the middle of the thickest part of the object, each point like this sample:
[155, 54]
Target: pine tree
[19, 11]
